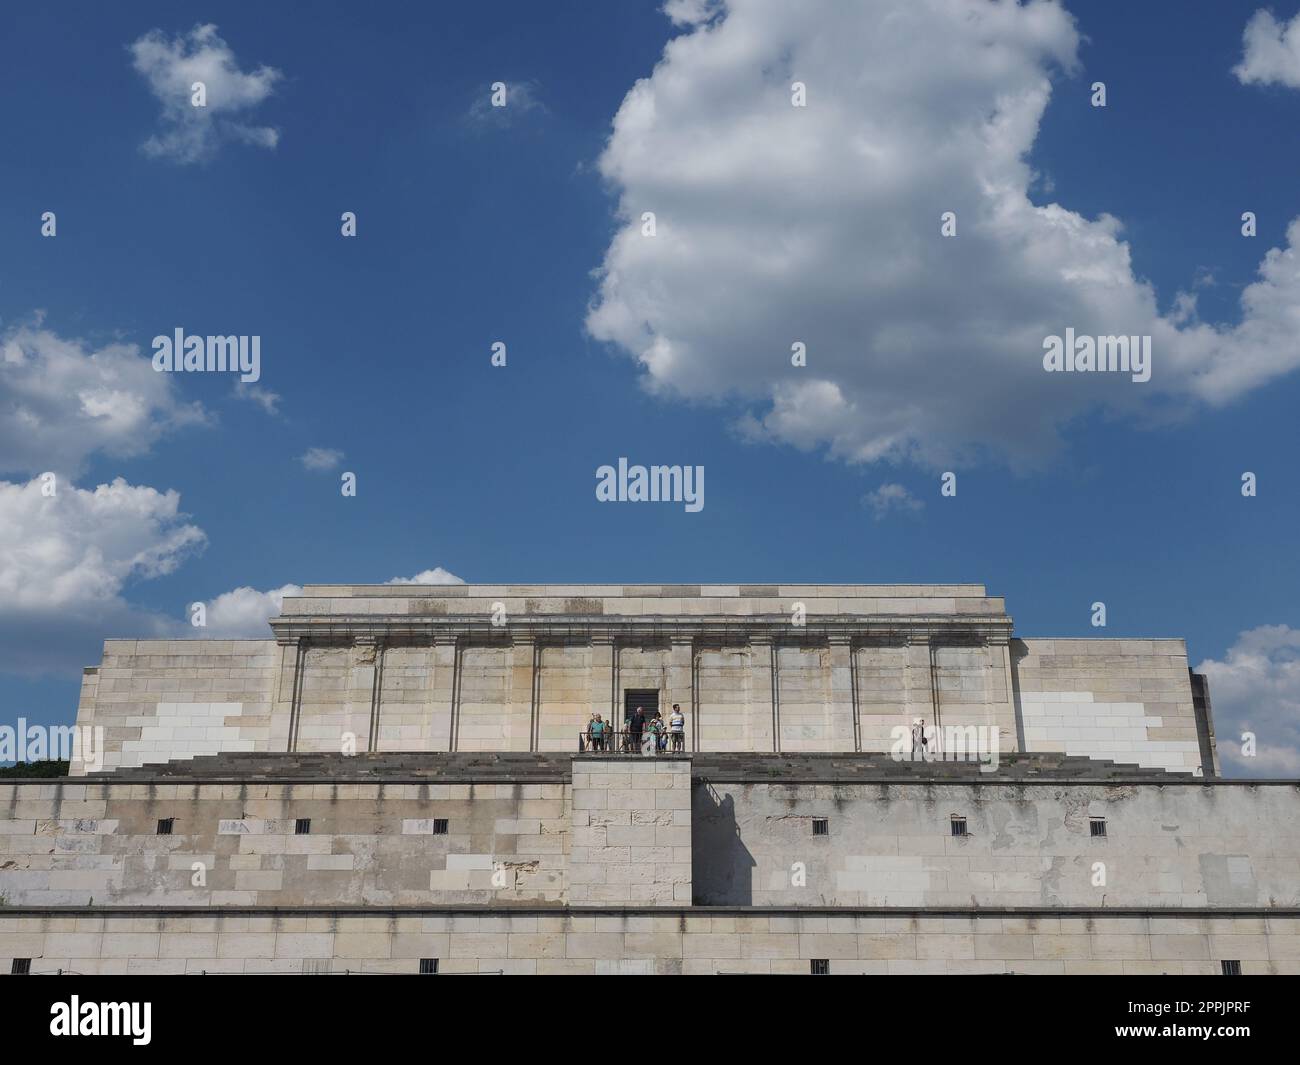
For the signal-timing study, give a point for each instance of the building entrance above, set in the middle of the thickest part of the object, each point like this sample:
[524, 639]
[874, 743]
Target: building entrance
[646, 698]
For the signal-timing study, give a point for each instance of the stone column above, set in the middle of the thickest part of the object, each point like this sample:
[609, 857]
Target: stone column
[602, 697]
[681, 678]
[844, 696]
[920, 680]
[1002, 697]
[518, 731]
[361, 704]
[377, 695]
[765, 693]
[285, 708]
[442, 693]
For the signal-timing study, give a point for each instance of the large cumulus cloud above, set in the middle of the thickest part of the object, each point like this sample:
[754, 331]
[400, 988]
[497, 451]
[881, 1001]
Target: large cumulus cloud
[821, 224]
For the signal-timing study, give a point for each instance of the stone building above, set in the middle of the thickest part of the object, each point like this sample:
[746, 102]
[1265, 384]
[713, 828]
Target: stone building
[776, 668]
[398, 780]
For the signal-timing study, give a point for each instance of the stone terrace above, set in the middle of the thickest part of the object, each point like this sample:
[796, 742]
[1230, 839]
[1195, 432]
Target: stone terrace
[527, 767]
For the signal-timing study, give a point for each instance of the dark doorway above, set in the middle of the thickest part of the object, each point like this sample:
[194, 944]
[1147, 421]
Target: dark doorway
[646, 698]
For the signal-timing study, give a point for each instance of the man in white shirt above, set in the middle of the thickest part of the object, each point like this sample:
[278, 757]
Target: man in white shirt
[677, 728]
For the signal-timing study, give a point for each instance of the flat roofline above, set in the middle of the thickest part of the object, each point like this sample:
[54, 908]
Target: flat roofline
[1110, 639]
[654, 584]
[666, 589]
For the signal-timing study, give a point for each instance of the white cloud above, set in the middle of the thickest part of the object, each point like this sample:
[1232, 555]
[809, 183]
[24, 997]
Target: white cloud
[522, 98]
[61, 401]
[1256, 688]
[266, 399]
[821, 224]
[1270, 51]
[65, 560]
[691, 12]
[321, 458]
[190, 134]
[243, 613]
[438, 575]
[892, 498]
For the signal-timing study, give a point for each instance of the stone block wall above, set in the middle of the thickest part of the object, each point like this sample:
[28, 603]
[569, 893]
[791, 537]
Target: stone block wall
[565, 696]
[1176, 845]
[237, 844]
[807, 702]
[631, 831]
[1124, 700]
[162, 699]
[636, 831]
[728, 679]
[337, 688]
[407, 719]
[671, 942]
[487, 681]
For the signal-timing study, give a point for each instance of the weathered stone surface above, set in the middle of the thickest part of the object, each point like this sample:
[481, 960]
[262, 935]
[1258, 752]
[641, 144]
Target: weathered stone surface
[611, 943]
[405, 668]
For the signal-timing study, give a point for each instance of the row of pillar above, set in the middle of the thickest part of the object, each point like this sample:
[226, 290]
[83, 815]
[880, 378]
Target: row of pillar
[606, 688]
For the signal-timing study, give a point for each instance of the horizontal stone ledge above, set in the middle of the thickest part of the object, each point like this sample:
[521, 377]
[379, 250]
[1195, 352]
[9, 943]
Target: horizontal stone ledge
[556, 626]
[534, 910]
[670, 590]
[1093, 782]
[256, 781]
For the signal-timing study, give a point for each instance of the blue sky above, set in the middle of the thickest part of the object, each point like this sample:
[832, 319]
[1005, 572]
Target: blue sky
[475, 227]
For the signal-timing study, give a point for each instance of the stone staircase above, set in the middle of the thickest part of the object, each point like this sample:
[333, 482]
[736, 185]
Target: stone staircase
[465, 766]
[849, 768]
[522, 767]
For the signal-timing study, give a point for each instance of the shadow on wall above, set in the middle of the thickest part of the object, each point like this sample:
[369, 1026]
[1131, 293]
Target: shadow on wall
[1019, 652]
[722, 869]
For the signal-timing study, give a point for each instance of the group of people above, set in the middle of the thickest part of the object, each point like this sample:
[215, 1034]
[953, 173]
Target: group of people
[648, 734]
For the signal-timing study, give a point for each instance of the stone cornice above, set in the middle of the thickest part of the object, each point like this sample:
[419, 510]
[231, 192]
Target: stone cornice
[346, 628]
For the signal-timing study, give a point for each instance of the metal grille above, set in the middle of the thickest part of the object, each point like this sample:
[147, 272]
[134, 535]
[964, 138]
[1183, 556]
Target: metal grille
[165, 825]
[439, 826]
[23, 967]
[821, 967]
[1231, 968]
[959, 826]
[1097, 826]
[821, 826]
[302, 827]
[428, 966]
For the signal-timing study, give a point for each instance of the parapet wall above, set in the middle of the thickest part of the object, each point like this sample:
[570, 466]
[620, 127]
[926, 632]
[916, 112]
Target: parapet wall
[638, 832]
[238, 844]
[1027, 845]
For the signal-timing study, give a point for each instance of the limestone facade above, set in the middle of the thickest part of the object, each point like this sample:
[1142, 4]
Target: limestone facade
[778, 668]
[682, 941]
[643, 832]
[392, 782]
